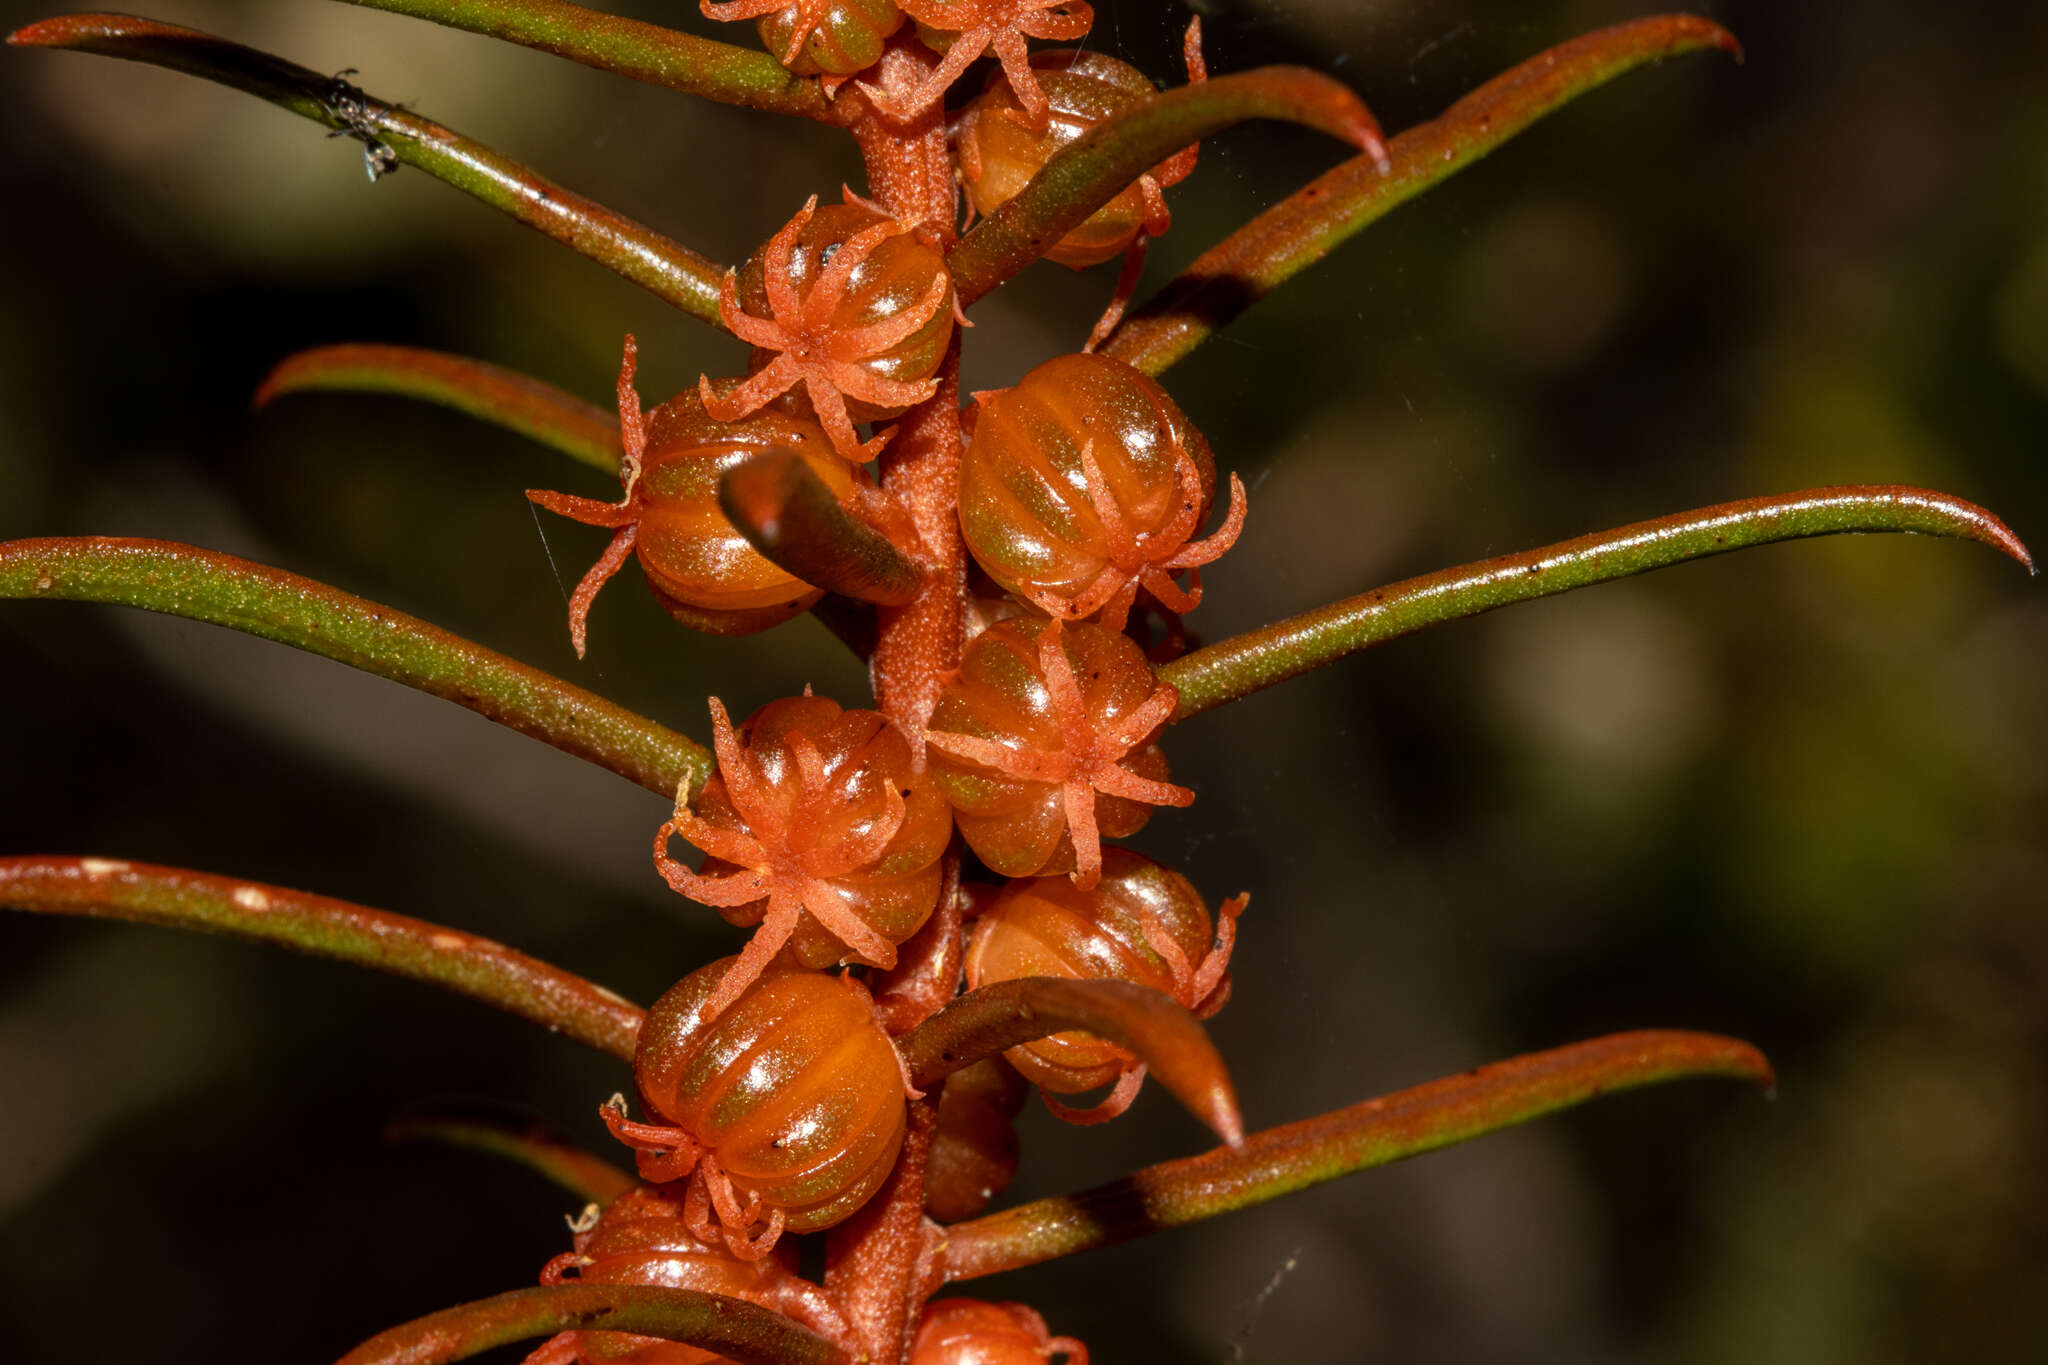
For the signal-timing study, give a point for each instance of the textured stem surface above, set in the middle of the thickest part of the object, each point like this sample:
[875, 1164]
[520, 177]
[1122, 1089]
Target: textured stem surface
[1302, 229]
[667, 269]
[1105, 161]
[1282, 1160]
[202, 585]
[535, 409]
[1243, 664]
[736, 1331]
[1164, 1036]
[628, 47]
[109, 888]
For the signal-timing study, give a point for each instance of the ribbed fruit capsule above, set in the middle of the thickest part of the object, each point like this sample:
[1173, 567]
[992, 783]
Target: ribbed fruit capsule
[849, 303]
[974, 1332]
[787, 1110]
[1044, 744]
[644, 1238]
[817, 830]
[1083, 483]
[830, 38]
[698, 564]
[1143, 923]
[974, 1151]
[999, 151]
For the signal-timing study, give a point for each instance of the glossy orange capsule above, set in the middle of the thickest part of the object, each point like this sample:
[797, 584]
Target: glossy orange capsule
[1143, 923]
[850, 304]
[1083, 483]
[818, 831]
[974, 1332]
[964, 29]
[644, 1238]
[787, 1110]
[1044, 744]
[701, 567]
[829, 38]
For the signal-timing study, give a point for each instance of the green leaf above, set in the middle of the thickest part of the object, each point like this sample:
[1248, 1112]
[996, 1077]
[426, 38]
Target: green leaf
[582, 431]
[1302, 229]
[787, 513]
[1244, 664]
[667, 269]
[1169, 1040]
[1294, 1157]
[202, 585]
[108, 888]
[627, 47]
[1099, 165]
[528, 1142]
[735, 1330]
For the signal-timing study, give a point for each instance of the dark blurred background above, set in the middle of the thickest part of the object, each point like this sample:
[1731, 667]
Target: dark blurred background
[1796, 795]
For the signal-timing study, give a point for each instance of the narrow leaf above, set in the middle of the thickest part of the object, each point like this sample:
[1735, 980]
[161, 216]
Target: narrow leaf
[628, 47]
[202, 585]
[1165, 1037]
[1299, 231]
[733, 1329]
[107, 888]
[1244, 664]
[1098, 166]
[667, 269]
[1294, 1157]
[787, 513]
[530, 1143]
[582, 431]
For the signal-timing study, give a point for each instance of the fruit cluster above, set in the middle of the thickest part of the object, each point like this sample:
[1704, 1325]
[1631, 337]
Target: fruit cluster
[776, 1098]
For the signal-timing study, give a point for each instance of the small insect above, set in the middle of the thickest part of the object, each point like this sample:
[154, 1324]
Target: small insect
[349, 105]
[786, 1111]
[1143, 923]
[644, 1239]
[828, 38]
[851, 304]
[818, 831]
[1083, 483]
[975, 1332]
[1044, 744]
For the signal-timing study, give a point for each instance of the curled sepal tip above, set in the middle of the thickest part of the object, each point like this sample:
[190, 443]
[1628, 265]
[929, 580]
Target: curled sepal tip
[1109, 158]
[1298, 1155]
[733, 1329]
[203, 585]
[582, 431]
[519, 1139]
[787, 513]
[1244, 664]
[469, 965]
[1166, 1038]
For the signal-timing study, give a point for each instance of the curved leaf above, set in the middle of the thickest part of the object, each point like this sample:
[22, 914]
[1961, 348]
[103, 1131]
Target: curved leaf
[1164, 1036]
[110, 888]
[530, 1143]
[735, 1330]
[787, 513]
[582, 431]
[1294, 1157]
[667, 269]
[202, 585]
[1302, 229]
[1102, 163]
[1244, 664]
[628, 47]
